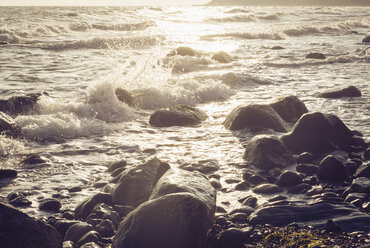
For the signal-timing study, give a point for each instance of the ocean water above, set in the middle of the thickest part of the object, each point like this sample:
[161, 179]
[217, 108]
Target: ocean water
[80, 55]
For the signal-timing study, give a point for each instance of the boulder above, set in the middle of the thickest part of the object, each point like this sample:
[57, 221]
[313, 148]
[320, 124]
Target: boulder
[361, 185]
[307, 169]
[8, 126]
[267, 152]
[350, 91]
[182, 51]
[124, 96]
[290, 108]
[363, 170]
[120, 164]
[277, 48]
[222, 57]
[267, 188]
[318, 133]
[233, 238]
[136, 183]
[182, 181]
[179, 115]
[332, 170]
[18, 230]
[255, 117]
[315, 56]
[51, 205]
[77, 231]
[289, 178]
[366, 39]
[177, 220]
[84, 208]
[16, 105]
[6, 173]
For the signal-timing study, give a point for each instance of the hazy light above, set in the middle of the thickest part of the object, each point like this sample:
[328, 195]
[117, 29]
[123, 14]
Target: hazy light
[99, 2]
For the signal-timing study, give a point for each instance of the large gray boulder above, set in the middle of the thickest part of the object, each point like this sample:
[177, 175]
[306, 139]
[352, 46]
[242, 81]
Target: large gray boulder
[8, 126]
[84, 208]
[332, 170]
[350, 91]
[178, 181]
[172, 221]
[290, 108]
[179, 115]
[267, 152]
[318, 133]
[18, 230]
[256, 117]
[16, 105]
[136, 183]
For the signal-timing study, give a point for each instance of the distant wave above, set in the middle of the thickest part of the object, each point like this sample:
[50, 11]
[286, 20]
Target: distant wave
[247, 36]
[237, 10]
[244, 18]
[112, 27]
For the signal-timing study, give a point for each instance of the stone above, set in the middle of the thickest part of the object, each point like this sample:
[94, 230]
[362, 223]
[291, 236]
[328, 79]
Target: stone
[136, 183]
[366, 39]
[299, 188]
[367, 153]
[304, 158]
[267, 188]
[307, 169]
[18, 230]
[123, 210]
[232, 238]
[255, 117]
[350, 91]
[250, 201]
[120, 164]
[215, 183]
[90, 245]
[91, 236]
[16, 105]
[315, 56]
[222, 57]
[290, 108]
[179, 115]
[277, 48]
[361, 185]
[84, 208]
[7, 173]
[331, 226]
[318, 133]
[332, 170]
[51, 205]
[267, 152]
[239, 218]
[20, 201]
[182, 51]
[106, 212]
[8, 126]
[124, 96]
[256, 180]
[289, 178]
[363, 170]
[245, 210]
[77, 231]
[178, 181]
[176, 220]
[63, 225]
[105, 228]
[34, 159]
[242, 186]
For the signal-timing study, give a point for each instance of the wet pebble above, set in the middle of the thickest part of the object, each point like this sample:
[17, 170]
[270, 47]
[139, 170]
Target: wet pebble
[7, 173]
[51, 205]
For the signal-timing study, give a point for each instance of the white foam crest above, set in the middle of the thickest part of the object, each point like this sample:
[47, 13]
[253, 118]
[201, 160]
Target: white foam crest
[247, 36]
[10, 146]
[187, 63]
[235, 18]
[84, 26]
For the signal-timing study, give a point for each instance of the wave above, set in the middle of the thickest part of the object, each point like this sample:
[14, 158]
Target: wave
[236, 80]
[235, 18]
[9, 147]
[247, 36]
[237, 10]
[184, 64]
[112, 27]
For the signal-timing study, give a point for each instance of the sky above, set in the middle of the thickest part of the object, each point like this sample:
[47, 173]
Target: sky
[98, 2]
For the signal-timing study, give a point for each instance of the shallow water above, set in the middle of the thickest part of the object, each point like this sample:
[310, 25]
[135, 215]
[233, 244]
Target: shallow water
[80, 55]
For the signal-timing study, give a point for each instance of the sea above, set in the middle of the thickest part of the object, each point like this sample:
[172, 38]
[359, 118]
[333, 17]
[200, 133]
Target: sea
[81, 55]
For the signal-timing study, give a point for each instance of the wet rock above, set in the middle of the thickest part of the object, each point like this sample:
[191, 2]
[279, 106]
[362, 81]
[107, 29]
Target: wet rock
[245, 210]
[267, 152]
[363, 170]
[277, 48]
[123, 210]
[239, 218]
[350, 91]
[18, 230]
[332, 170]
[20, 201]
[318, 133]
[8, 126]
[357, 203]
[267, 188]
[361, 185]
[124, 96]
[305, 158]
[117, 165]
[176, 220]
[116, 172]
[366, 39]
[63, 225]
[51, 205]
[289, 178]
[290, 108]
[90, 245]
[106, 212]
[68, 244]
[220, 209]
[300, 188]
[277, 198]
[177, 181]
[182, 51]
[75, 189]
[311, 180]
[77, 231]
[307, 169]
[242, 186]
[315, 56]
[354, 196]
[331, 226]
[179, 115]
[256, 180]
[232, 238]
[34, 159]
[105, 228]
[222, 57]
[367, 153]
[84, 208]
[136, 183]
[215, 183]
[16, 105]
[91, 236]
[7, 173]
[255, 117]
[250, 201]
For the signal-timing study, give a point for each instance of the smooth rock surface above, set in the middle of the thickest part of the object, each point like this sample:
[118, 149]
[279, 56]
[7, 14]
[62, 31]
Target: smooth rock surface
[267, 188]
[8, 126]
[289, 178]
[315, 56]
[332, 170]
[84, 208]
[350, 91]
[290, 108]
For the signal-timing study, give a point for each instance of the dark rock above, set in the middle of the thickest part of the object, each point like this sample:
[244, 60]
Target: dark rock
[300, 188]
[367, 153]
[63, 225]
[277, 48]
[182, 51]
[105, 228]
[256, 180]
[116, 172]
[34, 159]
[8, 126]
[290, 108]
[179, 115]
[239, 218]
[136, 183]
[16, 105]
[242, 186]
[222, 57]
[357, 203]
[117, 165]
[267, 152]
[52, 205]
[220, 209]
[232, 238]
[124, 96]
[305, 158]
[215, 183]
[307, 169]
[250, 201]
[317, 133]
[99, 185]
[245, 210]
[18, 230]
[363, 170]
[350, 91]
[267, 188]
[123, 210]
[332, 170]
[20, 201]
[311, 180]
[77, 231]
[277, 198]
[361, 185]
[255, 117]
[91, 236]
[289, 178]
[75, 189]
[354, 196]
[68, 244]
[178, 181]
[103, 211]
[176, 220]
[366, 39]
[6, 173]
[84, 208]
[331, 226]
[315, 56]
[90, 245]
